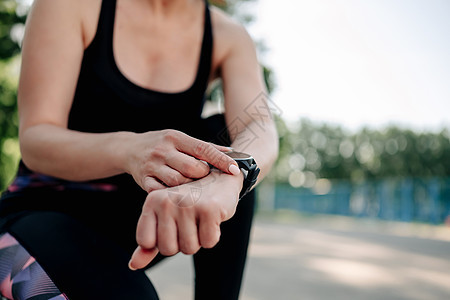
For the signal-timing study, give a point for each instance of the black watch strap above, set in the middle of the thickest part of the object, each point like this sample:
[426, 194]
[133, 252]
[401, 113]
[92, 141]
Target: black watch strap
[250, 171]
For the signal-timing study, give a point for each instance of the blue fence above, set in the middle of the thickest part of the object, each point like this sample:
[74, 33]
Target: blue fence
[408, 199]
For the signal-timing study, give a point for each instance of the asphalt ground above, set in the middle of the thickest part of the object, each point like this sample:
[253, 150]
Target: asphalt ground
[294, 256]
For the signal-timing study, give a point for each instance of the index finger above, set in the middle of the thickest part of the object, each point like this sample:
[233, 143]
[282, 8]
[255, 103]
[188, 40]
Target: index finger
[209, 153]
[141, 258]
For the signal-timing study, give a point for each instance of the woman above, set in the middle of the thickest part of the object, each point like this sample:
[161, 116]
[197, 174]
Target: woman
[113, 146]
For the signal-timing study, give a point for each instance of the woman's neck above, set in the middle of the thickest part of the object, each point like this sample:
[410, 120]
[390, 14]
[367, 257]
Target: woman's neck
[168, 7]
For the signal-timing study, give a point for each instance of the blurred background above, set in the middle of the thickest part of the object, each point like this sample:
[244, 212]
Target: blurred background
[358, 203]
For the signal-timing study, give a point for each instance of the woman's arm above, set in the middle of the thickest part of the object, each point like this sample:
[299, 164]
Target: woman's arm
[53, 49]
[51, 58]
[247, 112]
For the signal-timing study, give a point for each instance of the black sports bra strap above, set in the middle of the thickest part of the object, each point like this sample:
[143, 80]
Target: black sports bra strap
[105, 27]
[207, 48]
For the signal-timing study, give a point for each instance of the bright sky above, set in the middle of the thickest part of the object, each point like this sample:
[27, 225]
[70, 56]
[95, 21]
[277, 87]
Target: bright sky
[359, 62]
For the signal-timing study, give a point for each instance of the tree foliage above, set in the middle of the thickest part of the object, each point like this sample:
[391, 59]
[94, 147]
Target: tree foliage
[10, 21]
[324, 151]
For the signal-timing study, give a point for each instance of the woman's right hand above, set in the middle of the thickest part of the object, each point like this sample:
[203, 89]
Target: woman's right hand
[167, 158]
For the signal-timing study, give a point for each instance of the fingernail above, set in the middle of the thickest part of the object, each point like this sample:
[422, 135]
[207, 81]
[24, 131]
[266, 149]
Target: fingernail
[131, 259]
[130, 267]
[234, 169]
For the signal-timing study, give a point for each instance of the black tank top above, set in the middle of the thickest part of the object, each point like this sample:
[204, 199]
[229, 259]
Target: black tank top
[106, 101]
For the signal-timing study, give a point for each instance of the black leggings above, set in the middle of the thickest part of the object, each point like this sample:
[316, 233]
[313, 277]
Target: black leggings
[88, 262]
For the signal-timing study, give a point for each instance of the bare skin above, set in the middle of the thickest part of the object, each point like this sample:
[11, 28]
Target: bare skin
[156, 45]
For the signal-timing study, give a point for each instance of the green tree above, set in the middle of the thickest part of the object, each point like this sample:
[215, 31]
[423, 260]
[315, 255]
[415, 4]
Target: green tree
[10, 22]
[327, 151]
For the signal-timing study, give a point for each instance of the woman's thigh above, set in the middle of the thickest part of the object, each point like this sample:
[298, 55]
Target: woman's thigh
[21, 276]
[219, 271]
[82, 263]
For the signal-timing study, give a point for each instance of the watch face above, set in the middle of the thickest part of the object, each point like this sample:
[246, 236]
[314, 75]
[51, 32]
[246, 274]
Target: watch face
[239, 155]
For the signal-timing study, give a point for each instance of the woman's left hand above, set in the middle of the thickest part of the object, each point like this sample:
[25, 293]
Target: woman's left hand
[185, 217]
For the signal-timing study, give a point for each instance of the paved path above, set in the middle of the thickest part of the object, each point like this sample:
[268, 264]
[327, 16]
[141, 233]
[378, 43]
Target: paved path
[332, 258]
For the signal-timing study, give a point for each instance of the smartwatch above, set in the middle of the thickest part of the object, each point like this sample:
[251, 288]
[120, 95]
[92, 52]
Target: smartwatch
[249, 169]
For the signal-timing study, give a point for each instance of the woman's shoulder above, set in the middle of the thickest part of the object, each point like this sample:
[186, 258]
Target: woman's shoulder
[225, 26]
[83, 13]
[53, 8]
[68, 6]
[229, 35]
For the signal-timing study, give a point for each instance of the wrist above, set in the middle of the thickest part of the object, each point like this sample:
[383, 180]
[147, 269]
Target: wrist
[236, 181]
[120, 156]
[249, 170]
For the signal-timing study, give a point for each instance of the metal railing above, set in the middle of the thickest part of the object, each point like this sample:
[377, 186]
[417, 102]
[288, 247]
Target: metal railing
[406, 199]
